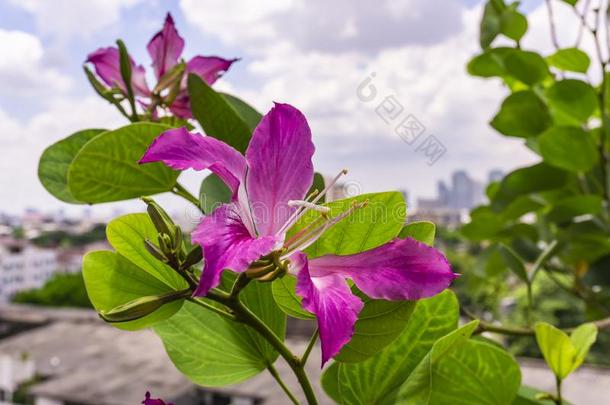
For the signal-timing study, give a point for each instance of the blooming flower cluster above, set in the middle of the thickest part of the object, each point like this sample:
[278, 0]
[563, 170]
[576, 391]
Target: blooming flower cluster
[269, 187]
[165, 49]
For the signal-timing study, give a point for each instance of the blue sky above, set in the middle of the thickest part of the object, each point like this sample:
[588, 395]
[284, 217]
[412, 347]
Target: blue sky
[311, 54]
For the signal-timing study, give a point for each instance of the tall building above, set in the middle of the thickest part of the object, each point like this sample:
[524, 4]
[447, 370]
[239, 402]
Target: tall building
[24, 267]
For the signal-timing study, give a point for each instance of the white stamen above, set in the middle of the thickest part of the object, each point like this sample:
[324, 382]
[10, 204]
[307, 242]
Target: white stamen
[298, 213]
[307, 204]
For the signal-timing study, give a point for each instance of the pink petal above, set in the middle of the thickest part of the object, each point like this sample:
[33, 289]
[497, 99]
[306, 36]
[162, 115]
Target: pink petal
[180, 149]
[106, 62]
[209, 68]
[330, 298]
[279, 158]
[165, 47]
[181, 107]
[153, 401]
[403, 269]
[227, 244]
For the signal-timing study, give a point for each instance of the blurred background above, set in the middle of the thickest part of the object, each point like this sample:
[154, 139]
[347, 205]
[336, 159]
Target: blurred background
[384, 87]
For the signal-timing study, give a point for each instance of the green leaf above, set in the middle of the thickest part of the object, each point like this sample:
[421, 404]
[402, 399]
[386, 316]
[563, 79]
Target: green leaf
[514, 263]
[490, 23]
[513, 24]
[582, 339]
[527, 180]
[422, 231]
[528, 396]
[379, 323]
[106, 168]
[569, 148]
[246, 112]
[573, 98]
[111, 280]
[490, 63]
[482, 226]
[528, 67]
[373, 225]
[564, 354]
[55, 162]
[127, 234]
[574, 206]
[468, 370]
[522, 114]
[212, 193]
[520, 206]
[286, 298]
[377, 379]
[318, 184]
[570, 59]
[213, 351]
[571, 2]
[217, 115]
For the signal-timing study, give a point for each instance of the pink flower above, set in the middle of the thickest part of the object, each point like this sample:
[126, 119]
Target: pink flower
[269, 186]
[151, 401]
[165, 49]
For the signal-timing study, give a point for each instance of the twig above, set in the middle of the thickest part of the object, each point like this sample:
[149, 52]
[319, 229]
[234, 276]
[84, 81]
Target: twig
[549, 9]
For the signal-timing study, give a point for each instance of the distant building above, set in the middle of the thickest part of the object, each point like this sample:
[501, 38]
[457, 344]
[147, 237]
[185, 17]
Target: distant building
[453, 201]
[24, 267]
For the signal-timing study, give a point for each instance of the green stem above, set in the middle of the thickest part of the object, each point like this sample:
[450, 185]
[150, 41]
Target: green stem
[184, 193]
[250, 319]
[219, 311]
[310, 345]
[559, 400]
[244, 315]
[530, 304]
[281, 383]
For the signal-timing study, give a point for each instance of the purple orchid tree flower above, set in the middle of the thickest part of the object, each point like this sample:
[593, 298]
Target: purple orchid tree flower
[165, 49]
[152, 401]
[269, 187]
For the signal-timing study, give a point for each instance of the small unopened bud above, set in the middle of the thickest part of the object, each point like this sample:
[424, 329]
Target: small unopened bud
[170, 78]
[194, 256]
[163, 223]
[165, 244]
[140, 307]
[154, 250]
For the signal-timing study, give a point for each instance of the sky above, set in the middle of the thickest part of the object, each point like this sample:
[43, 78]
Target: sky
[313, 54]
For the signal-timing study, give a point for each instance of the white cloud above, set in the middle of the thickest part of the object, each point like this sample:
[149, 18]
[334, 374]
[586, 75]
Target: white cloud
[23, 69]
[418, 50]
[63, 18]
[23, 143]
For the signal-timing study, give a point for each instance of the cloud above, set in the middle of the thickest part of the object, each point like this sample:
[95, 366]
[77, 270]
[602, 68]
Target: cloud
[23, 69]
[23, 143]
[418, 56]
[65, 18]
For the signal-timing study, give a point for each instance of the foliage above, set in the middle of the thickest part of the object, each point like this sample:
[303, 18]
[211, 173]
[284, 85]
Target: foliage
[545, 221]
[61, 290]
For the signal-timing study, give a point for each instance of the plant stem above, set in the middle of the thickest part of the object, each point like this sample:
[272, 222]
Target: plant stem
[601, 324]
[184, 193]
[530, 304]
[549, 9]
[212, 308]
[244, 315]
[250, 319]
[281, 383]
[559, 400]
[310, 345]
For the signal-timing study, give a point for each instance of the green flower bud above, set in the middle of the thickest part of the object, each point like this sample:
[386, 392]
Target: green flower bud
[193, 257]
[140, 307]
[163, 223]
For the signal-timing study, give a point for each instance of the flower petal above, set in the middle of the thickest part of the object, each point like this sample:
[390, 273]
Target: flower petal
[152, 401]
[209, 68]
[165, 47]
[106, 62]
[227, 244]
[181, 106]
[330, 298]
[180, 149]
[403, 269]
[279, 158]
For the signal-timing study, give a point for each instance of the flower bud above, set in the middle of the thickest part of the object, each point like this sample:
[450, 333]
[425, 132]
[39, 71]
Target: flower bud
[170, 78]
[193, 257]
[140, 307]
[163, 223]
[154, 250]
